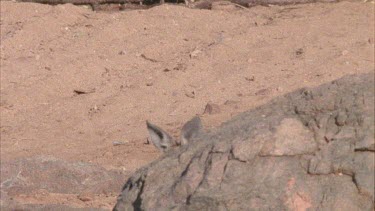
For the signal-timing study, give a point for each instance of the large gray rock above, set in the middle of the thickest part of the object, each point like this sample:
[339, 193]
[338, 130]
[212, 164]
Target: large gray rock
[312, 149]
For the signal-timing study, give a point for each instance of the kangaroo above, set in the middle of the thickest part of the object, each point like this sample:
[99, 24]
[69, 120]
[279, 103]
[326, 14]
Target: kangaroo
[163, 141]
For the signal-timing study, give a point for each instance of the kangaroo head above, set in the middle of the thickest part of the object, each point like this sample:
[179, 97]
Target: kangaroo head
[163, 141]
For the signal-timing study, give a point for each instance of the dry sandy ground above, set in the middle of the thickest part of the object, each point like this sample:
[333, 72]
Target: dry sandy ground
[74, 82]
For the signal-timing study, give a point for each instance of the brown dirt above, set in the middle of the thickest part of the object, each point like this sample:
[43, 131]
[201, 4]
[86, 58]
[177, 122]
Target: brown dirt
[75, 81]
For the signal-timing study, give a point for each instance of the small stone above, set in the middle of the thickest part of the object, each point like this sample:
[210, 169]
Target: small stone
[123, 52]
[211, 108]
[149, 84]
[250, 78]
[299, 51]
[179, 66]
[190, 94]
[344, 52]
[117, 143]
[263, 92]
[82, 91]
[195, 53]
[85, 197]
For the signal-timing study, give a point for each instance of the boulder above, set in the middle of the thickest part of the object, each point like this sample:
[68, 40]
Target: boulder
[310, 149]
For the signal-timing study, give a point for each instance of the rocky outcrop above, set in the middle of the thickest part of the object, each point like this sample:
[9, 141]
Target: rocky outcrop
[311, 149]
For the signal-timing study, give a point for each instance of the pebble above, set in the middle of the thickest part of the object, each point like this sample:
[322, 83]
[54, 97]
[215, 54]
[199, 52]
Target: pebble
[85, 197]
[344, 52]
[190, 94]
[117, 143]
[195, 53]
[211, 108]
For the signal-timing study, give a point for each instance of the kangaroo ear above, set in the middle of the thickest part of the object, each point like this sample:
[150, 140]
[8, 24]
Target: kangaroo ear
[190, 129]
[159, 137]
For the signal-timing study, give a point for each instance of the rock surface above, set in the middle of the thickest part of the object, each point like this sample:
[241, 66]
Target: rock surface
[311, 149]
[45, 175]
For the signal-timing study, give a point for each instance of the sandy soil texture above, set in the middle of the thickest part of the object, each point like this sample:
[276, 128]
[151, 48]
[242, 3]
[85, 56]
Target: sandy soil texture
[79, 85]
